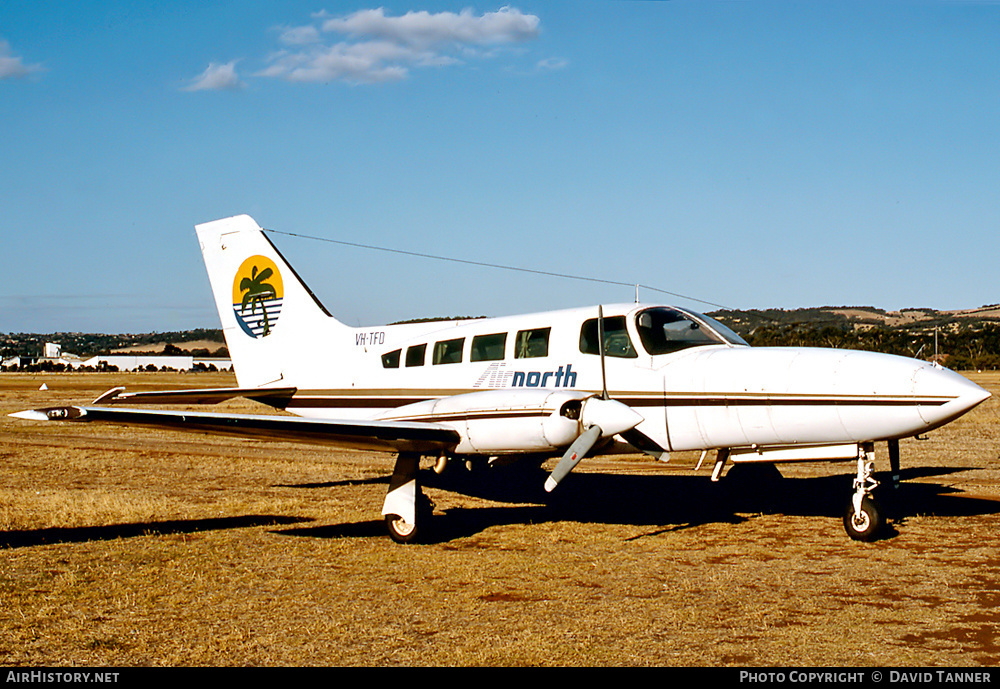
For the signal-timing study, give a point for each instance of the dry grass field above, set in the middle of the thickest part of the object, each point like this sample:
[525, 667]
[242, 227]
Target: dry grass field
[130, 548]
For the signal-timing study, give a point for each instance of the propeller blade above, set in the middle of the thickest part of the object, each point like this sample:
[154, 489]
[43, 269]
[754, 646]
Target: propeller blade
[577, 451]
[642, 442]
[600, 341]
[612, 416]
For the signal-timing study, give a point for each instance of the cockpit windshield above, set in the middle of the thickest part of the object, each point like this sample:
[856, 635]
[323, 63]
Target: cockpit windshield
[664, 330]
[724, 330]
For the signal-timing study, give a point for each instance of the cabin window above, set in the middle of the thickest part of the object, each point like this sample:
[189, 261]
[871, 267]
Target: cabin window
[391, 360]
[617, 343]
[415, 355]
[449, 351]
[488, 347]
[532, 343]
[664, 330]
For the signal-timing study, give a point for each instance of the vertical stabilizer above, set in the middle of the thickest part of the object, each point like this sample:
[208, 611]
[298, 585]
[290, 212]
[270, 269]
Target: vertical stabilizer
[268, 315]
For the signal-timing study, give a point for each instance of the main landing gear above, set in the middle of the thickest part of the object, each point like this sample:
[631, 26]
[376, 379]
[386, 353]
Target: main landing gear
[406, 509]
[864, 519]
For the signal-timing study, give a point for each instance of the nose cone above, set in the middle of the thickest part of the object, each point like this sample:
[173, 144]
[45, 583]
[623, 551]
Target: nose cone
[787, 395]
[901, 396]
[959, 394]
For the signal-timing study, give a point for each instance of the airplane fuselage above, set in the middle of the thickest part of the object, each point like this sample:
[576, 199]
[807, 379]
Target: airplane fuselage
[710, 392]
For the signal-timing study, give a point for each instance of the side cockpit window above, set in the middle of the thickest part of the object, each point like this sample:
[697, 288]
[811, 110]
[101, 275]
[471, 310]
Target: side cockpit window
[664, 330]
[617, 343]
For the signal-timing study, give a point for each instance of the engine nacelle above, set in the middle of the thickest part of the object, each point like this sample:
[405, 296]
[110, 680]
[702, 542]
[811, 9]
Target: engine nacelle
[503, 421]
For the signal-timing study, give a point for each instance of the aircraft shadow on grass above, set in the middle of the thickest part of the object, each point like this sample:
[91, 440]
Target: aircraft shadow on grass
[666, 502]
[110, 532]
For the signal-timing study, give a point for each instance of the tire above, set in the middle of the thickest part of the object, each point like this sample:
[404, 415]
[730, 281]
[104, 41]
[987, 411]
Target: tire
[401, 531]
[868, 526]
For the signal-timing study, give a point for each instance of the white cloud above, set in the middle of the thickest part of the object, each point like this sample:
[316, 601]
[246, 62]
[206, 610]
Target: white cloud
[550, 64]
[375, 48]
[216, 78]
[299, 35]
[12, 66]
[426, 29]
[366, 63]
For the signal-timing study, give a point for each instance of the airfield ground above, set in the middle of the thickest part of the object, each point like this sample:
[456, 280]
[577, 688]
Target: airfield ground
[123, 548]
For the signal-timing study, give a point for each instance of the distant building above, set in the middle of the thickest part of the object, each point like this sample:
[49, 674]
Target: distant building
[144, 362]
[54, 356]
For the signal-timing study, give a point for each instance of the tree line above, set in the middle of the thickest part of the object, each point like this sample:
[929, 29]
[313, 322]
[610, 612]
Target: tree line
[962, 346]
[87, 345]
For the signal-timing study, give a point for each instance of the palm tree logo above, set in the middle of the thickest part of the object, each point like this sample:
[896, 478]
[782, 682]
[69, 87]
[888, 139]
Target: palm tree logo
[258, 292]
[257, 284]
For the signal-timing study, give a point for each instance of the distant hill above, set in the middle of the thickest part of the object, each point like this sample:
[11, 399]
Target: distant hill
[202, 341]
[963, 339]
[857, 317]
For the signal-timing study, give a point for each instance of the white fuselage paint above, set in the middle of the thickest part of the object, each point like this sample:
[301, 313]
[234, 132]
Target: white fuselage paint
[703, 397]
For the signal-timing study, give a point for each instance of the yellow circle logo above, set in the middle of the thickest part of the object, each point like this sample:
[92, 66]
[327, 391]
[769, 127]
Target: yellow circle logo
[257, 296]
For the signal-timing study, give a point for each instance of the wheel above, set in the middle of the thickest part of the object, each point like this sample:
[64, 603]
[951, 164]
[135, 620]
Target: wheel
[399, 530]
[868, 525]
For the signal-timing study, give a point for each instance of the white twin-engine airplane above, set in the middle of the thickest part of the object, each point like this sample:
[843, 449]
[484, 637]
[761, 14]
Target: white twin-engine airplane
[564, 383]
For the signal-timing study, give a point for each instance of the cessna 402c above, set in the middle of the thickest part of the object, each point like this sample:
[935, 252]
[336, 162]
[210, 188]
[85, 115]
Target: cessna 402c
[565, 383]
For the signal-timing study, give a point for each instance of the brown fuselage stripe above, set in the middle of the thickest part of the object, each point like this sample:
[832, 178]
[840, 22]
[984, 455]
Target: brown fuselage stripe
[378, 402]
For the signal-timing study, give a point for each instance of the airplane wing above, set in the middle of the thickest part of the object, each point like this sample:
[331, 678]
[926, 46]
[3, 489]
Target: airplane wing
[380, 436]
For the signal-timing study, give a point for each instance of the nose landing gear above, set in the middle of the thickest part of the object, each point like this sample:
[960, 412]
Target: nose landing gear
[864, 519]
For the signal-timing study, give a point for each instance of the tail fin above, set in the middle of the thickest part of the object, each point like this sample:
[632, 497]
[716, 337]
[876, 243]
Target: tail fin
[268, 315]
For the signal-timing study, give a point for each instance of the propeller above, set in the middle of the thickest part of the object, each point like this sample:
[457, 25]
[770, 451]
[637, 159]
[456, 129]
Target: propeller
[602, 417]
[577, 451]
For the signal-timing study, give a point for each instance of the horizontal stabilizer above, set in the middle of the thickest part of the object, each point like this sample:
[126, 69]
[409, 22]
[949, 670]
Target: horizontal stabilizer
[379, 436]
[274, 397]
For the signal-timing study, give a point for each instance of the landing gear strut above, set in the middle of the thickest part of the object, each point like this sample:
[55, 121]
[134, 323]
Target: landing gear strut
[406, 510]
[863, 519]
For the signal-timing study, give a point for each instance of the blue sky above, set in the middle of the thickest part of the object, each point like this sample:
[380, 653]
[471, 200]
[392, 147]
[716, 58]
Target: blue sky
[748, 154]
